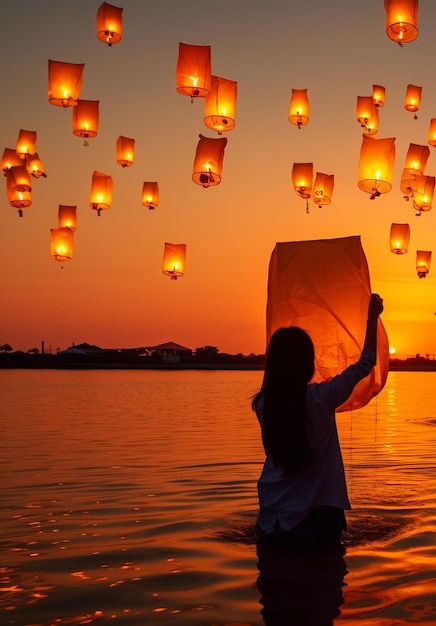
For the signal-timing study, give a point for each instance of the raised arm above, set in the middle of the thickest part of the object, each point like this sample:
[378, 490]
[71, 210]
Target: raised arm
[374, 309]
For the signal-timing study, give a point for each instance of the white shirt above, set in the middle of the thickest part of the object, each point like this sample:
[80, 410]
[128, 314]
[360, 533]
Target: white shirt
[288, 497]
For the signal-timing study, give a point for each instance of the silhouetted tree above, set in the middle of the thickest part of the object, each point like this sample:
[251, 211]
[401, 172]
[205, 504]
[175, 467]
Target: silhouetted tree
[6, 348]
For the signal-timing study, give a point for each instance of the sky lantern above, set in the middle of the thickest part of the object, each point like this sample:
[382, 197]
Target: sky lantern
[432, 132]
[85, 119]
[125, 151]
[16, 198]
[378, 95]
[367, 114]
[67, 217]
[423, 191]
[302, 180]
[208, 162]
[101, 192]
[299, 108]
[412, 99]
[174, 259]
[10, 158]
[150, 195]
[61, 244]
[193, 71]
[64, 83]
[19, 178]
[423, 260]
[323, 286]
[26, 143]
[399, 238]
[401, 20]
[323, 188]
[416, 160]
[35, 166]
[109, 23]
[220, 104]
[376, 165]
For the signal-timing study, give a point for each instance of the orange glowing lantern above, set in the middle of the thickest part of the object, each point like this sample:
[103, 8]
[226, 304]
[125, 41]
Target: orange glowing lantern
[18, 199]
[26, 143]
[150, 195]
[35, 166]
[423, 191]
[323, 286]
[125, 151]
[220, 104]
[299, 108]
[323, 188]
[85, 119]
[367, 114]
[64, 83]
[101, 192]
[61, 243]
[193, 71]
[67, 217]
[432, 132]
[399, 238]
[109, 23]
[412, 100]
[302, 179]
[423, 260]
[10, 159]
[376, 165]
[19, 178]
[208, 162]
[378, 95]
[401, 20]
[174, 259]
[416, 160]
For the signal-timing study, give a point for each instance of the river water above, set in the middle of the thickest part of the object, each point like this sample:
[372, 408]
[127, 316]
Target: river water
[129, 497]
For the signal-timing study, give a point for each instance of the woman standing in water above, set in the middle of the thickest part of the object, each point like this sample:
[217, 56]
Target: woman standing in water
[302, 488]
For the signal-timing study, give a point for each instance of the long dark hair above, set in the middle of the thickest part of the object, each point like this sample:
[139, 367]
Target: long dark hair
[289, 367]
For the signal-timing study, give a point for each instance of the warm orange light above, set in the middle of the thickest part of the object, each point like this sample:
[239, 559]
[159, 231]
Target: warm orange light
[208, 162]
[378, 95]
[26, 142]
[302, 179]
[399, 238]
[412, 99]
[193, 71]
[16, 198]
[367, 114]
[64, 83]
[423, 260]
[10, 159]
[174, 259]
[150, 195]
[86, 118]
[125, 151]
[109, 23]
[432, 132]
[401, 20]
[416, 160]
[299, 108]
[423, 191]
[19, 178]
[101, 192]
[35, 166]
[67, 217]
[61, 244]
[376, 165]
[323, 188]
[220, 104]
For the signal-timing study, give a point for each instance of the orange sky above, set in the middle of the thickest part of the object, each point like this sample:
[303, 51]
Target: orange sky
[113, 293]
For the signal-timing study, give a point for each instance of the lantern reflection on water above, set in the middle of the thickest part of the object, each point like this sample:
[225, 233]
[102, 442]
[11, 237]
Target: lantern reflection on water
[423, 259]
[376, 165]
[208, 162]
[109, 23]
[101, 192]
[67, 217]
[220, 104]
[125, 151]
[61, 243]
[399, 238]
[150, 195]
[401, 20]
[193, 70]
[174, 259]
[299, 108]
[64, 83]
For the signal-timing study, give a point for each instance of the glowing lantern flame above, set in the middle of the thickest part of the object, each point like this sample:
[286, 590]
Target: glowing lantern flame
[26, 143]
[399, 238]
[61, 244]
[35, 166]
[432, 132]
[208, 162]
[193, 70]
[412, 99]
[109, 23]
[67, 217]
[64, 83]
[125, 151]
[376, 165]
[367, 114]
[150, 195]
[86, 118]
[401, 20]
[323, 188]
[378, 95]
[101, 192]
[174, 260]
[299, 108]
[220, 104]
[423, 260]
[10, 159]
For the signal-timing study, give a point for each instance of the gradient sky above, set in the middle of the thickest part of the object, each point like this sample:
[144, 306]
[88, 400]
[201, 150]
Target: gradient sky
[113, 293]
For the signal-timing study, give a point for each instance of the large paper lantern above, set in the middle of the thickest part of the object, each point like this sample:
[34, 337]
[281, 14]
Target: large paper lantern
[86, 118]
[416, 160]
[35, 166]
[378, 95]
[26, 143]
[193, 71]
[64, 83]
[18, 199]
[208, 161]
[367, 114]
[423, 260]
[376, 165]
[299, 108]
[323, 188]
[101, 192]
[432, 132]
[412, 100]
[401, 20]
[61, 243]
[423, 192]
[19, 178]
[125, 151]
[323, 286]
[302, 180]
[150, 195]
[67, 216]
[174, 260]
[109, 23]
[10, 158]
[399, 238]
[220, 104]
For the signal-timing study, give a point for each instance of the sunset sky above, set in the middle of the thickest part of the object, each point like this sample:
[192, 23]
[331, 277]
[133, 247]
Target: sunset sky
[113, 292]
